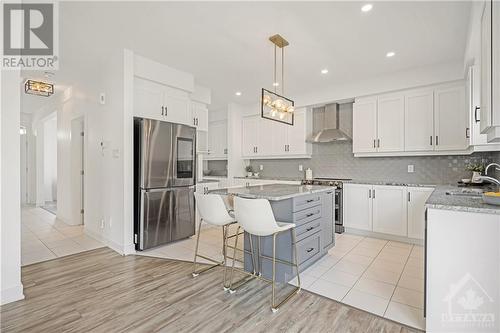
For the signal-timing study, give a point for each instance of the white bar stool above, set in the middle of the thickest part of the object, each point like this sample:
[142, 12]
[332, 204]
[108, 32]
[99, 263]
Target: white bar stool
[213, 211]
[257, 218]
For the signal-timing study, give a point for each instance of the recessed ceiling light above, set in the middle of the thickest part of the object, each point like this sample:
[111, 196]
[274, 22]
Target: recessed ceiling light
[276, 84]
[390, 54]
[367, 7]
[324, 71]
[238, 93]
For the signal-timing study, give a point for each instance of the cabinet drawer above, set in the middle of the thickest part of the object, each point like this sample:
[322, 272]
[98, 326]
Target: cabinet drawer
[307, 229]
[306, 201]
[308, 248]
[307, 215]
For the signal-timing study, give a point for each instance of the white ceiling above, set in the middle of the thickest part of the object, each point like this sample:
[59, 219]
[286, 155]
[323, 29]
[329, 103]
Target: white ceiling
[225, 44]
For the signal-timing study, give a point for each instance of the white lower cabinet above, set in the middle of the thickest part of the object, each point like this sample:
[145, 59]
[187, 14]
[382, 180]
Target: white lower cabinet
[417, 196]
[358, 206]
[389, 210]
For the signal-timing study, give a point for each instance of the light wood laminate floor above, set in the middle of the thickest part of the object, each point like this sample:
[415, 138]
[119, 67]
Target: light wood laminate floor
[101, 291]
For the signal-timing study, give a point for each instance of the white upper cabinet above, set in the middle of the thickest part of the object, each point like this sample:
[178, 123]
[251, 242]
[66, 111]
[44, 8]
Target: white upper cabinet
[473, 104]
[264, 138]
[358, 206]
[423, 121]
[364, 129]
[199, 116]
[450, 119]
[217, 140]
[389, 210]
[250, 136]
[419, 121]
[486, 68]
[157, 101]
[390, 123]
[297, 134]
[417, 196]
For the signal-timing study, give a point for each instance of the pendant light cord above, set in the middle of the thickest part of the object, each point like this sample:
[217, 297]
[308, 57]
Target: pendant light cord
[274, 81]
[283, 71]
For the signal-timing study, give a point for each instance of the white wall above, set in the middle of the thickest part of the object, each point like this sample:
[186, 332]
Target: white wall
[50, 159]
[11, 288]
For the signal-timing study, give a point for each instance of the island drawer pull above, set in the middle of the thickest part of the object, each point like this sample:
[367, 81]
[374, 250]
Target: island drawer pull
[310, 228]
[310, 214]
[309, 249]
[310, 200]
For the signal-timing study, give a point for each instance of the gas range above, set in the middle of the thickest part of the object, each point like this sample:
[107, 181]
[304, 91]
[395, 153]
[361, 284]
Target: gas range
[325, 181]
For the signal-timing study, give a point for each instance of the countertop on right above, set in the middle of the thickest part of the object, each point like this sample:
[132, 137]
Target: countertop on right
[446, 197]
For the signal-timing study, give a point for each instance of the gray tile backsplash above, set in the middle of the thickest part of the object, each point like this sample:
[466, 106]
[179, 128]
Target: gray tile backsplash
[337, 160]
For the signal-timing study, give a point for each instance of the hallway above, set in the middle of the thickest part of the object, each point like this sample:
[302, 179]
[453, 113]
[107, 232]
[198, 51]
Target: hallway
[44, 237]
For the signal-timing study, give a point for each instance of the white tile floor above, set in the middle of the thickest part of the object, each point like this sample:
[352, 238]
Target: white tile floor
[44, 237]
[382, 277]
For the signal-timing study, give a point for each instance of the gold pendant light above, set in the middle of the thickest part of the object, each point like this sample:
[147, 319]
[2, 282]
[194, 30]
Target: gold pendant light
[273, 106]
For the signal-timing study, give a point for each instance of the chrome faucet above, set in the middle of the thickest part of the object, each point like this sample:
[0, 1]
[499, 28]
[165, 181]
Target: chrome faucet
[491, 179]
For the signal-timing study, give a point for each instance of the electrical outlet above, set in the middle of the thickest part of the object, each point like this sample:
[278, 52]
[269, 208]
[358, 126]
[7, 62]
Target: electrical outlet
[261, 167]
[102, 224]
[301, 168]
[411, 168]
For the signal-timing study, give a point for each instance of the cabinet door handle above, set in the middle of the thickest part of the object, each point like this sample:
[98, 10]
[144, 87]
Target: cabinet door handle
[467, 134]
[194, 121]
[374, 143]
[378, 143]
[374, 194]
[431, 139]
[369, 194]
[309, 249]
[409, 196]
[437, 140]
[288, 147]
[197, 122]
[162, 110]
[476, 118]
[166, 110]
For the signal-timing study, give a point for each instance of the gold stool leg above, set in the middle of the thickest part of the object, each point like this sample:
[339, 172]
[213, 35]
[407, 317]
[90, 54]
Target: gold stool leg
[195, 274]
[234, 259]
[254, 266]
[294, 240]
[273, 308]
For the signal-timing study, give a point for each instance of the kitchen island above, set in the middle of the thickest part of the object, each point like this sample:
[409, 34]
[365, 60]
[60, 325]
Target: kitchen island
[309, 207]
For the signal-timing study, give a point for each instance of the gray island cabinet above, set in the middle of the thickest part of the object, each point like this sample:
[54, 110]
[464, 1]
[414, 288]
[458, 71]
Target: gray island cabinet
[309, 207]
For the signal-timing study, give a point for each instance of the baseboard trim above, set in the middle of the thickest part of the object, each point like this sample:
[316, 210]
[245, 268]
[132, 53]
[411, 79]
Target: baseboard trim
[12, 294]
[384, 236]
[109, 243]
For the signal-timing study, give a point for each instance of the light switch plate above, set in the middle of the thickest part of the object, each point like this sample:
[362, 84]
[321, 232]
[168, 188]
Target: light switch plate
[261, 167]
[301, 168]
[411, 168]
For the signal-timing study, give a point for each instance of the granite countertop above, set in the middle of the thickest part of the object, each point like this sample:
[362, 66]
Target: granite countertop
[205, 180]
[273, 192]
[439, 199]
[387, 183]
[295, 179]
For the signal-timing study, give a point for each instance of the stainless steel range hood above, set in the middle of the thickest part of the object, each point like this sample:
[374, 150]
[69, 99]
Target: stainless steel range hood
[327, 120]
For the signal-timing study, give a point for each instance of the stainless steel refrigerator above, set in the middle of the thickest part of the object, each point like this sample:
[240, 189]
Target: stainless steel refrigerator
[164, 180]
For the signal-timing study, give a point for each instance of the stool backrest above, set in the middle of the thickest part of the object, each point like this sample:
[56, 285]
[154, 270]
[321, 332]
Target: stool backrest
[212, 209]
[255, 216]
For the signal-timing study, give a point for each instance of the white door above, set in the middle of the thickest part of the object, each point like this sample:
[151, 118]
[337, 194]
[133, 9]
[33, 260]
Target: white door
[450, 118]
[177, 106]
[250, 130]
[417, 196]
[148, 99]
[358, 206]
[296, 134]
[389, 210]
[419, 121]
[364, 130]
[390, 123]
[486, 59]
